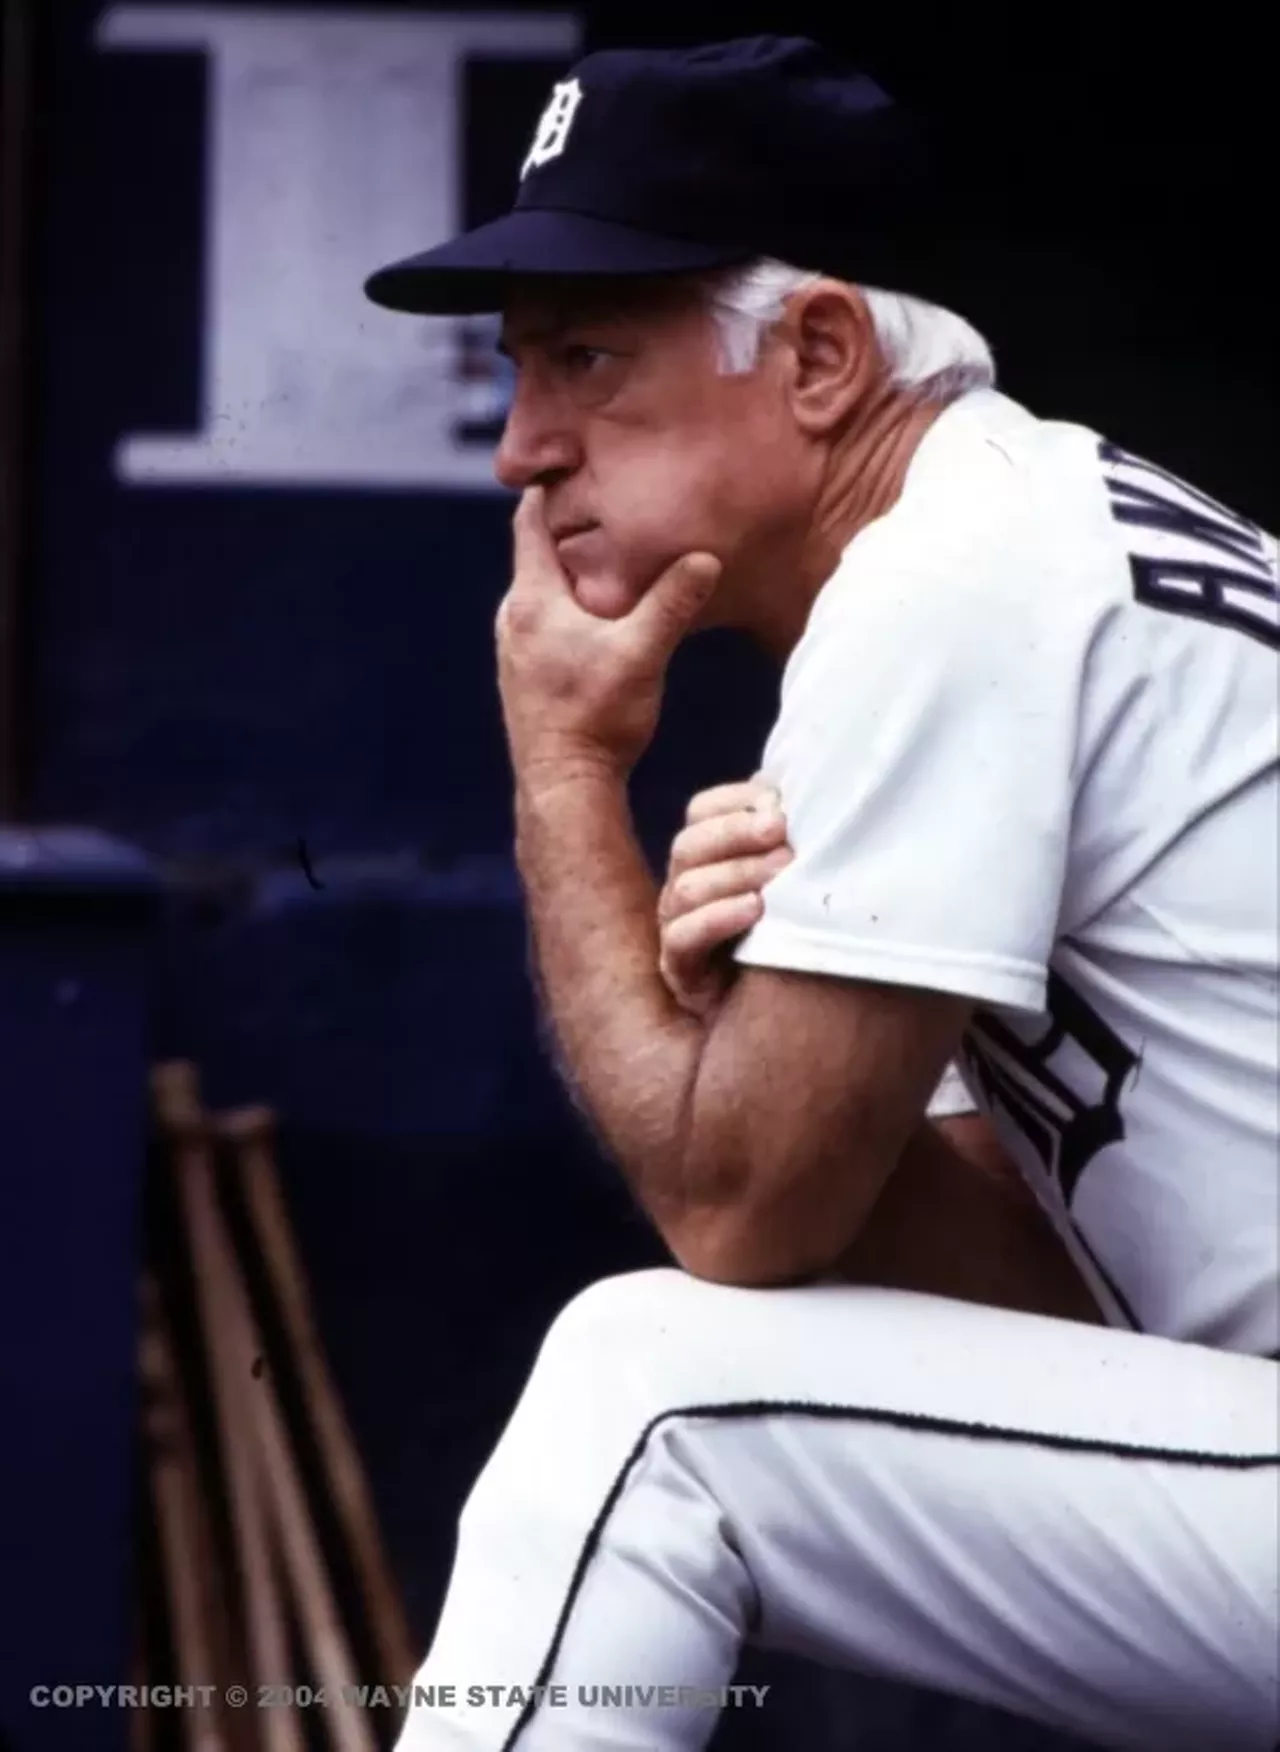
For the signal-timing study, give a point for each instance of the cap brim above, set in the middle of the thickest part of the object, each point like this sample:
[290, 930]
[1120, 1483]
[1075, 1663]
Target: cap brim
[473, 273]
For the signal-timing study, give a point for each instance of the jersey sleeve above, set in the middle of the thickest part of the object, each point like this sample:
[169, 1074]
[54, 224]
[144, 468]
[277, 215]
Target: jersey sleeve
[925, 752]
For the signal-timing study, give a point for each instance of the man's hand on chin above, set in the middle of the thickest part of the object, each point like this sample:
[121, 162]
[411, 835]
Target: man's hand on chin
[580, 686]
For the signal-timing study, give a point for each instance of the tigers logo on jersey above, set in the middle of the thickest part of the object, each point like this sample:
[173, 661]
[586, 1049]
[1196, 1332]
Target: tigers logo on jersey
[1063, 1090]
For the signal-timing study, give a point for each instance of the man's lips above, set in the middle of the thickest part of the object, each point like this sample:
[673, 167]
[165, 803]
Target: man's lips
[568, 531]
[574, 543]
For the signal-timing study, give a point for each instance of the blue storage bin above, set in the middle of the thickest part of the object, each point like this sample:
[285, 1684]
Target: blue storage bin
[76, 917]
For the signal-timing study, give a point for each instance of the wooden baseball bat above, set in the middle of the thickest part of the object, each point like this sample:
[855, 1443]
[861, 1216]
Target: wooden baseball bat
[312, 1595]
[174, 1487]
[237, 1729]
[229, 1345]
[249, 1133]
[312, 1592]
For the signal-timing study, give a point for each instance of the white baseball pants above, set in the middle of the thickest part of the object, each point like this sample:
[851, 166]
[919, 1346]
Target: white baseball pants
[1074, 1523]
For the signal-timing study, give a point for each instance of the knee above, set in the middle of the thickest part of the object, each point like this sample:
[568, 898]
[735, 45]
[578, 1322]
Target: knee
[598, 1364]
[638, 1342]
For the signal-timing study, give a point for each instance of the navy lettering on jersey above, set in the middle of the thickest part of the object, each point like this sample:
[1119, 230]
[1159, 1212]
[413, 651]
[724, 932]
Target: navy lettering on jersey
[1063, 1090]
[1244, 596]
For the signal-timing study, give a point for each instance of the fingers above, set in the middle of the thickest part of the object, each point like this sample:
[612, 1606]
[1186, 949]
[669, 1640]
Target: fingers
[536, 560]
[733, 844]
[529, 519]
[724, 799]
[689, 963]
[741, 833]
[705, 885]
[668, 609]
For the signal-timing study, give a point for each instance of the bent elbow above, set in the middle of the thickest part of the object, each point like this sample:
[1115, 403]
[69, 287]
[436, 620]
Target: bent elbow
[728, 1247]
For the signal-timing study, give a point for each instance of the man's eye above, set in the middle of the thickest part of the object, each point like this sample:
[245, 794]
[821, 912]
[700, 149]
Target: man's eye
[578, 360]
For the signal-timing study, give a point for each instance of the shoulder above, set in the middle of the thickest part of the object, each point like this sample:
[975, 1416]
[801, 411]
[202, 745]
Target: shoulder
[993, 485]
[1002, 529]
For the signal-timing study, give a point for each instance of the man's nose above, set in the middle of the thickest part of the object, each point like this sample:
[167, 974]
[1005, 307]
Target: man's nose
[535, 444]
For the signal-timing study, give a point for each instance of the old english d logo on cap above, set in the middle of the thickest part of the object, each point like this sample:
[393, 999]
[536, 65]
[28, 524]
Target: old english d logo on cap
[676, 161]
[553, 127]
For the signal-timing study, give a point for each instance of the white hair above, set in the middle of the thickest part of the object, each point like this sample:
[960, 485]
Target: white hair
[929, 351]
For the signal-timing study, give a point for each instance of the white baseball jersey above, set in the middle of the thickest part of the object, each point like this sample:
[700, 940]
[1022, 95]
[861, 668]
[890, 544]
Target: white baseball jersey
[1028, 750]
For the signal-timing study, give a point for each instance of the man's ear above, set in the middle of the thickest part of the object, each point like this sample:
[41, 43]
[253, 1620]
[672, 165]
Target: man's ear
[835, 357]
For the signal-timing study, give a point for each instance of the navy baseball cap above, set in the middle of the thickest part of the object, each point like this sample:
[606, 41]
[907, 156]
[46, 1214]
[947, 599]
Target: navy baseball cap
[652, 162]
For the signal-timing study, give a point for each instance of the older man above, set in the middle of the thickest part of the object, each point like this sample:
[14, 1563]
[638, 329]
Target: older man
[1027, 749]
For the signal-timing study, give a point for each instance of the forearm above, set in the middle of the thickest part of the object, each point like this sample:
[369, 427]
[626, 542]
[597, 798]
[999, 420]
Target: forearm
[627, 1052]
[953, 1224]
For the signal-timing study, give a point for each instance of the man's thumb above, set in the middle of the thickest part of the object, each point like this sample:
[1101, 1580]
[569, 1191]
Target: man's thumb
[680, 594]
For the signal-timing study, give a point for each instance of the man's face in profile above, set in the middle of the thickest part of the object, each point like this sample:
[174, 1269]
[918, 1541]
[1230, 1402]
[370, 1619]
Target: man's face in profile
[646, 449]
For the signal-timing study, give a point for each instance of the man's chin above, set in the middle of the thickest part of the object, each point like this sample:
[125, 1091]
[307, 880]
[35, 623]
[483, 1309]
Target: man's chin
[606, 597]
